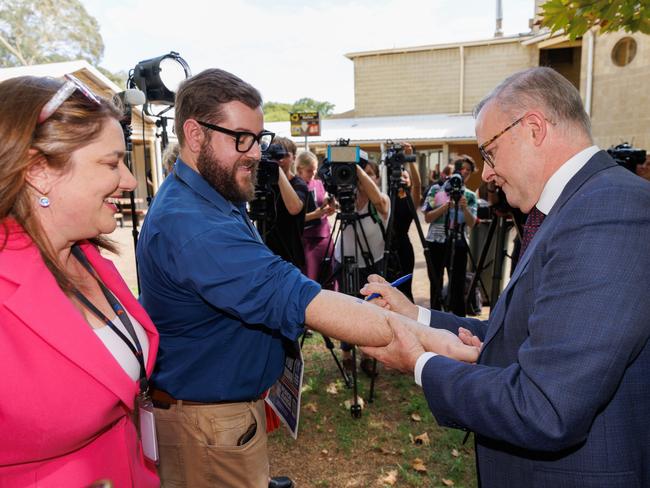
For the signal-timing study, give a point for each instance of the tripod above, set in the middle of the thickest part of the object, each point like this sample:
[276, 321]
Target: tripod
[500, 224]
[347, 218]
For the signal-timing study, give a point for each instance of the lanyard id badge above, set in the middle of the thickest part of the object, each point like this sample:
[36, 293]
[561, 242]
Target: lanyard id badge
[147, 424]
[143, 409]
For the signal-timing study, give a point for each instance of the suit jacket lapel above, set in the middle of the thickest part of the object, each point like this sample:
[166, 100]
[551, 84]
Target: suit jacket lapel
[597, 163]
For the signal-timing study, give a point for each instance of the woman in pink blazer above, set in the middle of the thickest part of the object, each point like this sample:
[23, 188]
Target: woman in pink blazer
[69, 378]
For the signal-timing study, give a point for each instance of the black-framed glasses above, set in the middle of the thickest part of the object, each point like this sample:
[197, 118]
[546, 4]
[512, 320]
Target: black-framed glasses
[71, 84]
[486, 155]
[244, 140]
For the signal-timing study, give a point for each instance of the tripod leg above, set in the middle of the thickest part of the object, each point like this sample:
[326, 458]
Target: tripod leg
[330, 345]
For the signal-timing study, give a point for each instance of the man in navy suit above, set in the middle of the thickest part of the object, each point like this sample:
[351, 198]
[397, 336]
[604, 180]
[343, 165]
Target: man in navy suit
[560, 396]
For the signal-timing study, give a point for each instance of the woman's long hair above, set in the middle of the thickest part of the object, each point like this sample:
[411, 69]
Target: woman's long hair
[75, 124]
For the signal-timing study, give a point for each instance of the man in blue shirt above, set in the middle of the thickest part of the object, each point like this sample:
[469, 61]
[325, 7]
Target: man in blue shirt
[224, 304]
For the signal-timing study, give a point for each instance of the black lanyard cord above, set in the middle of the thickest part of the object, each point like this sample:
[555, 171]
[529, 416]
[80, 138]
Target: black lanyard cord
[135, 346]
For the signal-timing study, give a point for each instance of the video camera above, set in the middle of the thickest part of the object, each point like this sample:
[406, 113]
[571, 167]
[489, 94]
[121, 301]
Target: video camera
[268, 170]
[454, 187]
[627, 156]
[268, 173]
[339, 172]
[394, 159]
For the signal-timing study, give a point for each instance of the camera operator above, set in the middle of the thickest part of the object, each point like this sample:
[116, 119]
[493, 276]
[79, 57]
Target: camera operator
[373, 208]
[284, 236]
[402, 220]
[440, 213]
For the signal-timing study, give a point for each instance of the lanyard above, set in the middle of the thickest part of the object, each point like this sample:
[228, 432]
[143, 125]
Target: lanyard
[121, 314]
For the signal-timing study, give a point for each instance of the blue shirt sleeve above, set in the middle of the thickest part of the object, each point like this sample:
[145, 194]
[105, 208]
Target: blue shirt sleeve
[242, 277]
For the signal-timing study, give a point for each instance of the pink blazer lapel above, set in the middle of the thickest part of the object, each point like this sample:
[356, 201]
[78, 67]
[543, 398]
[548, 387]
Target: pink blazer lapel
[42, 306]
[114, 281]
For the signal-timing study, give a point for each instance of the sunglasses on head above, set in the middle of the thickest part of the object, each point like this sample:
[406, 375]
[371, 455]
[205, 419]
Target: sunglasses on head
[71, 84]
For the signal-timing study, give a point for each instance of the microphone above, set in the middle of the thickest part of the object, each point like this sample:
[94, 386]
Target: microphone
[130, 97]
[127, 99]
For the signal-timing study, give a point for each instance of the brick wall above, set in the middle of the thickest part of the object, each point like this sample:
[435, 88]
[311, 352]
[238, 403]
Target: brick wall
[426, 82]
[620, 109]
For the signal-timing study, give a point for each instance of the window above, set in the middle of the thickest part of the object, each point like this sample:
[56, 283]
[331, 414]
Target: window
[624, 51]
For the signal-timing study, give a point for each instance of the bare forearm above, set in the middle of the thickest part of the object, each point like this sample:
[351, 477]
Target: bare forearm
[349, 319]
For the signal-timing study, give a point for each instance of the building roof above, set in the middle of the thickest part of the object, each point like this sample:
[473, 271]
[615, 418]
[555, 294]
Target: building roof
[57, 70]
[430, 128]
[433, 47]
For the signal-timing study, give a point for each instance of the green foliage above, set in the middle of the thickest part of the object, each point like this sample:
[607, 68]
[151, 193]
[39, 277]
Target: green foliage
[576, 17]
[45, 31]
[279, 112]
[119, 77]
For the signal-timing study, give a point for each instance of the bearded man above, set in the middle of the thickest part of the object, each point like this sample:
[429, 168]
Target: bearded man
[224, 304]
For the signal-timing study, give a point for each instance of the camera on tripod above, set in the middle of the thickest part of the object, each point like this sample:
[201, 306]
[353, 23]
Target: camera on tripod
[627, 156]
[455, 187]
[394, 159]
[339, 172]
[268, 173]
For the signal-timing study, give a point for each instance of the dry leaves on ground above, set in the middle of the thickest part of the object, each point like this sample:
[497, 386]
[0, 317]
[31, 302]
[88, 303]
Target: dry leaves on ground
[389, 478]
[418, 465]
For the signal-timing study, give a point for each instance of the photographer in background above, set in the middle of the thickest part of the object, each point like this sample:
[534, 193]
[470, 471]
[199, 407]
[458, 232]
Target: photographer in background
[284, 236]
[320, 205]
[440, 212]
[373, 208]
[403, 218]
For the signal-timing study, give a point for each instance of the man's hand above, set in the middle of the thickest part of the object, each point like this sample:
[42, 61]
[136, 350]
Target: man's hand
[403, 351]
[468, 338]
[409, 343]
[390, 298]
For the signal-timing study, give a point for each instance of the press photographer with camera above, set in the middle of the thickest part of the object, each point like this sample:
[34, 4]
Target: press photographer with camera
[450, 209]
[288, 208]
[401, 246]
[225, 306]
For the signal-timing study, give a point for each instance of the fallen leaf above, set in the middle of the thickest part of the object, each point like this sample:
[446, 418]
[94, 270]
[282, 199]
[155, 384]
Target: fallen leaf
[411, 438]
[418, 465]
[305, 388]
[324, 451]
[416, 417]
[383, 450]
[332, 389]
[389, 478]
[312, 407]
[348, 403]
[455, 453]
[422, 440]
[447, 482]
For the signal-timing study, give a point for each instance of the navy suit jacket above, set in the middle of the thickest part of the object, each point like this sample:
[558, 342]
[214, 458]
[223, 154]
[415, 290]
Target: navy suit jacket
[560, 396]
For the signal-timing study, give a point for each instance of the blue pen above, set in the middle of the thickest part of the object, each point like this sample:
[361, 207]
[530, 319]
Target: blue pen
[394, 284]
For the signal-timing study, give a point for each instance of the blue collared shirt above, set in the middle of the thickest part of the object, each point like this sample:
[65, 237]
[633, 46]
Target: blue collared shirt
[223, 303]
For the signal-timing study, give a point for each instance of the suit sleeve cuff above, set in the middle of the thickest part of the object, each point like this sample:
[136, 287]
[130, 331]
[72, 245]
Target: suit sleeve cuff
[419, 366]
[424, 316]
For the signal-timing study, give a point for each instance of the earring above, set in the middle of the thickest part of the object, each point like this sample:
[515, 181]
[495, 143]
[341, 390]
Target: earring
[44, 201]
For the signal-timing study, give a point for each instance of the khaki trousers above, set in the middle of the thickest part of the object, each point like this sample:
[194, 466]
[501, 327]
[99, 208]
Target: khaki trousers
[199, 446]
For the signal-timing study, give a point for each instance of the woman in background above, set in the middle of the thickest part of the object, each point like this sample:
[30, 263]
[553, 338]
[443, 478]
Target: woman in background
[75, 345]
[316, 235]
